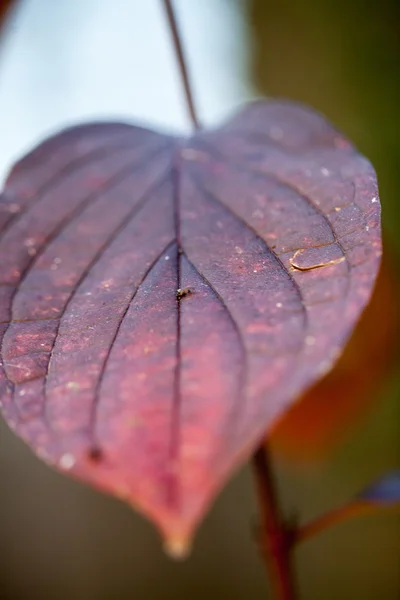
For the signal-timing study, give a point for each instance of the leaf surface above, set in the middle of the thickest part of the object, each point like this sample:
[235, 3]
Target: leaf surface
[268, 226]
[336, 405]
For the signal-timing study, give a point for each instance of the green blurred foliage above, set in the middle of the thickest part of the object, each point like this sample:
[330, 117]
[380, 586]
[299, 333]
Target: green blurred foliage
[343, 58]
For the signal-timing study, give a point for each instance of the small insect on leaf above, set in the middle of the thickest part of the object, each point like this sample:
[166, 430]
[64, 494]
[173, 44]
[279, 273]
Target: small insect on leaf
[167, 300]
[182, 292]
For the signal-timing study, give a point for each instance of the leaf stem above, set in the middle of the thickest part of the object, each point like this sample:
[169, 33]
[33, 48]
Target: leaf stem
[276, 538]
[173, 26]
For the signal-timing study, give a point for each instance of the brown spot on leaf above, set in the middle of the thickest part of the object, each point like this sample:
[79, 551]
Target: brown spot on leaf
[95, 454]
[316, 257]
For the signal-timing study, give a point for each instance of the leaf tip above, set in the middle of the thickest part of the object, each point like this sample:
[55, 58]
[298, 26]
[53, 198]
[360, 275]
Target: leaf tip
[177, 548]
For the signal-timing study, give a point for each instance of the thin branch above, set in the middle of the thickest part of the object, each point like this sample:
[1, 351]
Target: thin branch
[181, 61]
[276, 538]
[336, 516]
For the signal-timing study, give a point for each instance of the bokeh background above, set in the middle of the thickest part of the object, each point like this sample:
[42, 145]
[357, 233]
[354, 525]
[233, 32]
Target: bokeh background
[69, 60]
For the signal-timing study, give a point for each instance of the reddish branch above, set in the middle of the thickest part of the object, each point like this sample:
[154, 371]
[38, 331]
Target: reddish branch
[181, 61]
[276, 538]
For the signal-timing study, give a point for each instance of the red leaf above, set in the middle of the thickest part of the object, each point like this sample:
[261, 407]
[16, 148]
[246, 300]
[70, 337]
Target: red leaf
[330, 410]
[269, 227]
[5, 6]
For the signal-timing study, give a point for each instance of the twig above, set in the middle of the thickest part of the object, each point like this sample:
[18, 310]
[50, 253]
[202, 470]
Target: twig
[181, 61]
[336, 516]
[277, 539]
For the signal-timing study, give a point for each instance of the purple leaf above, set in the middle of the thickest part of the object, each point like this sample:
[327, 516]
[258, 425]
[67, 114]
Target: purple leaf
[164, 301]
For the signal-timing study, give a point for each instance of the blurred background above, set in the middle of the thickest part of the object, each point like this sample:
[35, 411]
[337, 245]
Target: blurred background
[73, 60]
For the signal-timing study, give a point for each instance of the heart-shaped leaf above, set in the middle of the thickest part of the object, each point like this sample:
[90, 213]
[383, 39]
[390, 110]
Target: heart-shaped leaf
[164, 300]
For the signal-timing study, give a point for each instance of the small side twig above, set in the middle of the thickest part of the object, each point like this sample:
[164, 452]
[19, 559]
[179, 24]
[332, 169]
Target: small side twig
[181, 61]
[276, 538]
[336, 516]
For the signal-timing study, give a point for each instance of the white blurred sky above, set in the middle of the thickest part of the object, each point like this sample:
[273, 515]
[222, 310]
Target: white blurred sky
[66, 61]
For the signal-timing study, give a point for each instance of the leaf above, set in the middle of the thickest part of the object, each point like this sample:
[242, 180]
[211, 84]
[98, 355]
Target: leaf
[5, 6]
[335, 405]
[385, 490]
[268, 226]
